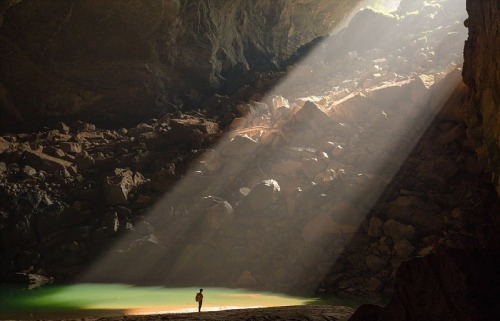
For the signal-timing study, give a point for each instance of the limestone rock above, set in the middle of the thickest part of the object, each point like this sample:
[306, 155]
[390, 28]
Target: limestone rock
[218, 213]
[240, 147]
[47, 163]
[375, 227]
[404, 248]
[375, 263]
[264, 194]
[4, 145]
[398, 231]
[122, 67]
[117, 187]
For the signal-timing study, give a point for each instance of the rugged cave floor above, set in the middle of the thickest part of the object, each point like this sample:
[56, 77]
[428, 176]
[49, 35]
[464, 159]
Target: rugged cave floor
[67, 192]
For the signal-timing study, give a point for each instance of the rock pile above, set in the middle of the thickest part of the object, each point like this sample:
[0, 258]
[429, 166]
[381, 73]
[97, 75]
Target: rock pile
[329, 183]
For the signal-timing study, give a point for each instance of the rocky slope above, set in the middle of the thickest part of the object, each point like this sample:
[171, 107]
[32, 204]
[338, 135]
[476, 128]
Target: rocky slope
[334, 181]
[328, 183]
[122, 62]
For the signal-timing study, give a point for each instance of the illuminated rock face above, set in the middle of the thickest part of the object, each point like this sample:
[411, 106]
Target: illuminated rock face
[482, 76]
[125, 61]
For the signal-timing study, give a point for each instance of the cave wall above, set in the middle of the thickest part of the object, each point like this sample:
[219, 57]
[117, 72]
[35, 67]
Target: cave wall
[123, 61]
[482, 75]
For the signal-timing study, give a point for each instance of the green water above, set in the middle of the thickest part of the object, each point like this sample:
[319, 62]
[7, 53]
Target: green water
[118, 299]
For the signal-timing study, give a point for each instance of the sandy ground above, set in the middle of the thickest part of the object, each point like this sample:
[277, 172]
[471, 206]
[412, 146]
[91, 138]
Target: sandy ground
[308, 312]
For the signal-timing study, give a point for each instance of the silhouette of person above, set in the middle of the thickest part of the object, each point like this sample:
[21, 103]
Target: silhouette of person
[199, 299]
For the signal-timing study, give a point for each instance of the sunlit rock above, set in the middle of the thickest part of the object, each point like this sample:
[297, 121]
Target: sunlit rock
[321, 225]
[218, 212]
[264, 195]
[352, 108]
[312, 167]
[286, 168]
[246, 280]
[240, 147]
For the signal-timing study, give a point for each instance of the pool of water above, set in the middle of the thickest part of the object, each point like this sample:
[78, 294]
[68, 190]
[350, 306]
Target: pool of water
[82, 300]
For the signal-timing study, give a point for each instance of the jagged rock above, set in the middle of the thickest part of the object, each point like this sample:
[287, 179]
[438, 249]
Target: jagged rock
[47, 163]
[84, 161]
[448, 97]
[398, 231]
[139, 130]
[481, 77]
[352, 108]
[452, 135]
[70, 147]
[246, 280]
[389, 95]
[375, 263]
[211, 161]
[375, 228]
[264, 195]
[404, 248]
[218, 213]
[312, 167]
[366, 312]
[311, 112]
[29, 171]
[4, 145]
[417, 213]
[81, 126]
[116, 188]
[439, 167]
[3, 169]
[286, 168]
[240, 147]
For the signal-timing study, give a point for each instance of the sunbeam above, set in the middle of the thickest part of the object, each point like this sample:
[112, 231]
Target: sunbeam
[278, 200]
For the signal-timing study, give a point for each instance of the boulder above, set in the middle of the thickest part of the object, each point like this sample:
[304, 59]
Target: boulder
[355, 107]
[70, 147]
[117, 187]
[218, 212]
[47, 163]
[264, 194]
[398, 231]
[4, 145]
[375, 227]
[404, 249]
[240, 147]
[375, 263]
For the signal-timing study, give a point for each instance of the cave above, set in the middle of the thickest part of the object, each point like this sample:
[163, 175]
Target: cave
[312, 148]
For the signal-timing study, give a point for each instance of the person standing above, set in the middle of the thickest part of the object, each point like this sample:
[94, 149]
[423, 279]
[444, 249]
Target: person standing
[199, 299]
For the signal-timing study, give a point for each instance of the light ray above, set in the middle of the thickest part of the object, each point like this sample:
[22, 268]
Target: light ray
[276, 202]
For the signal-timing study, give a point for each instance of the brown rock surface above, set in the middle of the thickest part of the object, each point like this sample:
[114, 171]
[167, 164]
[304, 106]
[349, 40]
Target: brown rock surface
[482, 75]
[123, 62]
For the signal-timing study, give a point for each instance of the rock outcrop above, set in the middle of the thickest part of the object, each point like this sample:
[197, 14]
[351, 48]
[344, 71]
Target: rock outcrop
[121, 62]
[482, 76]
